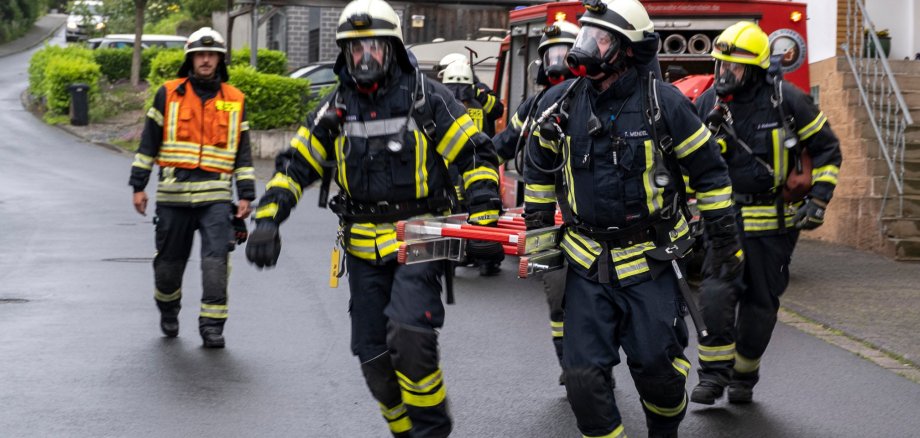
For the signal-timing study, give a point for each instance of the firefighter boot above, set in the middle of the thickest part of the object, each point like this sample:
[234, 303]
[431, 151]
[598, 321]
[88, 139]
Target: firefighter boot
[169, 318]
[741, 388]
[212, 337]
[657, 434]
[381, 380]
[707, 392]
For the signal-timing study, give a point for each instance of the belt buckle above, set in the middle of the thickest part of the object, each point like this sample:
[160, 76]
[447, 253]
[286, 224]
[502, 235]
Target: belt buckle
[383, 206]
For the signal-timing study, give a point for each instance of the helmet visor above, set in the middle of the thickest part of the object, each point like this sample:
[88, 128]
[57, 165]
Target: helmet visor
[554, 61]
[729, 77]
[593, 47]
[367, 59]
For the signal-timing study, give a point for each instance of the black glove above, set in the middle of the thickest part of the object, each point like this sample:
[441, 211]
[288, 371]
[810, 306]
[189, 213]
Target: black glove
[540, 219]
[264, 244]
[485, 211]
[481, 251]
[810, 215]
[725, 259]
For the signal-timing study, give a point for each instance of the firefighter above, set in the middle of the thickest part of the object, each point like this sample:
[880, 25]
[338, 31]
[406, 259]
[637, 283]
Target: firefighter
[384, 136]
[458, 78]
[764, 126]
[197, 133]
[491, 104]
[553, 48]
[619, 138]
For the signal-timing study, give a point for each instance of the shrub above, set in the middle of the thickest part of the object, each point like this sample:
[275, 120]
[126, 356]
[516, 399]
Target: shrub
[267, 61]
[63, 72]
[116, 63]
[163, 67]
[41, 58]
[272, 101]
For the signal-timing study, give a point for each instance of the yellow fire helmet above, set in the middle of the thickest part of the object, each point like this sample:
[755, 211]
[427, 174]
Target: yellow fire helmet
[744, 43]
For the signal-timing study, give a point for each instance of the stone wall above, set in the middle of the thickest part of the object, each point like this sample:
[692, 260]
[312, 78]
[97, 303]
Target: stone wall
[267, 144]
[298, 35]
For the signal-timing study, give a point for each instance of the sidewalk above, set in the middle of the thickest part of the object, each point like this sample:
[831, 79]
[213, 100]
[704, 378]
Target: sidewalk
[43, 29]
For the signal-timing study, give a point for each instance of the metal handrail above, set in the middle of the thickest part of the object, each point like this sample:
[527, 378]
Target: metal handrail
[880, 94]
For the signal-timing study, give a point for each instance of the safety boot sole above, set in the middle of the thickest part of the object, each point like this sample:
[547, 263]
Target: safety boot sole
[740, 395]
[213, 340]
[706, 394]
[169, 327]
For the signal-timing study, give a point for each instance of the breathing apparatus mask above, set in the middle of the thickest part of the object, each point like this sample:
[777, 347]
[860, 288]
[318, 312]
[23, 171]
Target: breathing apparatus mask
[554, 63]
[368, 61]
[596, 52]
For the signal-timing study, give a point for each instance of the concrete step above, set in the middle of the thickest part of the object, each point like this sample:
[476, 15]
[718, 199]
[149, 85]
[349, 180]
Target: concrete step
[879, 183]
[906, 82]
[901, 228]
[903, 67]
[911, 207]
[879, 167]
[867, 132]
[907, 249]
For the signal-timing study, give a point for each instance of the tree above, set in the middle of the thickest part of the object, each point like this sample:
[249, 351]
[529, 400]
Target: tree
[139, 7]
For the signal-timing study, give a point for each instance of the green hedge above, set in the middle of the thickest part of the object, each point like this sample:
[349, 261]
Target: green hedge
[267, 61]
[272, 101]
[41, 58]
[61, 73]
[18, 16]
[116, 63]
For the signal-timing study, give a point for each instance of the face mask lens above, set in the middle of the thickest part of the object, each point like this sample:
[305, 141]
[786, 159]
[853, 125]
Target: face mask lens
[592, 48]
[367, 59]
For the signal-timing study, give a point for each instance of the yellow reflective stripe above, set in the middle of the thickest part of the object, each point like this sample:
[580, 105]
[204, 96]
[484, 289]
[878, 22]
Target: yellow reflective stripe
[680, 229]
[632, 251]
[693, 142]
[826, 174]
[341, 176]
[245, 173]
[666, 412]
[723, 145]
[653, 194]
[714, 199]
[142, 161]
[490, 103]
[717, 352]
[813, 127]
[421, 165]
[477, 115]
[413, 392]
[484, 217]
[617, 433]
[315, 153]
[392, 413]
[551, 145]
[745, 365]
[283, 181]
[456, 137]
[233, 130]
[171, 186]
[573, 250]
[387, 244]
[681, 366]
[244, 126]
[172, 122]
[636, 267]
[569, 180]
[364, 229]
[557, 328]
[155, 115]
[780, 156]
[401, 425]
[516, 122]
[216, 311]
[193, 198]
[478, 174]
[267, 210]
[540, 193]
[166, 298]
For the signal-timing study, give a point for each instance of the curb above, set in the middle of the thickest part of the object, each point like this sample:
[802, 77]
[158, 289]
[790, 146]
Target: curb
[37, 43]
[24, 101]
[857, 346]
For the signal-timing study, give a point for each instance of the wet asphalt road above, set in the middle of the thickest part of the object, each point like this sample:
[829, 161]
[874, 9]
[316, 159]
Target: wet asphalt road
[81, 354]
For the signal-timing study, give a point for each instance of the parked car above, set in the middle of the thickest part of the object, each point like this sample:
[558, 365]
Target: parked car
[120, 40]
[319, 74]
[85, 18]
[486, 51]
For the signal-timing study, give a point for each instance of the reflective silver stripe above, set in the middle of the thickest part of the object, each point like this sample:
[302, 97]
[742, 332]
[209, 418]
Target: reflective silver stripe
[653, 194]
[421, 165]
[155, 115]
[667, 412]
[172, 122]
[245, 173]
[745, 365]
[424, 385]
[166, 298]
[216, 311]
[142, 161]
[310, 148]
[540, 193]
[681, 366]
[168, 186]
[194, 198]
[693, 142]
[717, 352]
[629, 269]
[233, 132]
[516, 123]
[244, 126]
[379, 128]
[632, 251]
[680, 229]
[813, 127]
[558, 328]
[456, 137]
[479, 173]
[283, 181]
[392, 413]
[714, 199]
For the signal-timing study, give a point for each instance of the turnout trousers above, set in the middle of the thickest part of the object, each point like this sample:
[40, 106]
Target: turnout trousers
[741, 317]
[175, 232]
[647, 321]
[395, 312]
[554, 288]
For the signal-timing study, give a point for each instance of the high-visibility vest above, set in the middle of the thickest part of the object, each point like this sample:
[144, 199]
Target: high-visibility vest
[197, 135]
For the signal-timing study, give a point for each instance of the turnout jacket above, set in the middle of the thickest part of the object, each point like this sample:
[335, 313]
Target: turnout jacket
[369, 170]
[507, 140]
[609, 177]
[199, 137]
[757, 122]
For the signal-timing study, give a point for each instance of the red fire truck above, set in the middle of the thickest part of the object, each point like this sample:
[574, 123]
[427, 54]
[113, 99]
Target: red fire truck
[687, 30]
